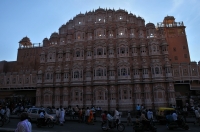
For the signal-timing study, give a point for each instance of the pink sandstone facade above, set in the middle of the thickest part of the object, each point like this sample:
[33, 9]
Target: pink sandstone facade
[106, 58]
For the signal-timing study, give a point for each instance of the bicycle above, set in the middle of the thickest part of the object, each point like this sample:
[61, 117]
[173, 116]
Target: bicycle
[1, 121]
[6, 119]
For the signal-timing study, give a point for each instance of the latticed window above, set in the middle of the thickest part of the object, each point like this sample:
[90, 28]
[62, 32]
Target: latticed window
[78, 54]
[76, 74]
[122, 50]
[99, 72]
[47, 76]
[99, 51]
[123, 72]
[156, 70]
[66, 75]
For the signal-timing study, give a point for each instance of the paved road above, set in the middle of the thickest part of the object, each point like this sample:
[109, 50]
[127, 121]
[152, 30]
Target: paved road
[72, 126]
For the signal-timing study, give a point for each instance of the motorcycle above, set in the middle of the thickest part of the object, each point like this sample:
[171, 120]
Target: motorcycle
[180, 123]
[141, 127]
[116, 124]
[48, 122]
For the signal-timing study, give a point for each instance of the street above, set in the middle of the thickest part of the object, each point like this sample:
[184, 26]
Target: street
[72, 126]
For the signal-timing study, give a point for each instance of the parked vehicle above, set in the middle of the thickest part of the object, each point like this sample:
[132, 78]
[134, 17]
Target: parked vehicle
[33, 114]
[161, 114]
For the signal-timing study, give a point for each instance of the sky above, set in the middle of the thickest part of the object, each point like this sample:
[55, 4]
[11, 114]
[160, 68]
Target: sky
[38, 19]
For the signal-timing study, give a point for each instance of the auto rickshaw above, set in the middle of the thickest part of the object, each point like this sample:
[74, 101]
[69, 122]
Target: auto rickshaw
[161, 114]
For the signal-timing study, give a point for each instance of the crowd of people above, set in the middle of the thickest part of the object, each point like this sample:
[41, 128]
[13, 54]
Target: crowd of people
[88, 115]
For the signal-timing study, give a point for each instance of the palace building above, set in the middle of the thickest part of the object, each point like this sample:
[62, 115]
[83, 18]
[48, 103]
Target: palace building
[105, 58]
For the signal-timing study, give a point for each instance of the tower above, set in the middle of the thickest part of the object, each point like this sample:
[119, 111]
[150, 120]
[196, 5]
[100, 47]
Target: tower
[177, 41]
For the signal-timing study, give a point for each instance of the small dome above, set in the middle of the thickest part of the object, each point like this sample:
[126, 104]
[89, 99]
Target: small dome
[120, 10]
[169, 19]
[99, 10]
[25, 41]
[54, 34]
[45, 39]
[150, 25]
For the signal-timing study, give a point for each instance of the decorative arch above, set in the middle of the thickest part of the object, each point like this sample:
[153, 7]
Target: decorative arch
[47, 97]
[76, 94]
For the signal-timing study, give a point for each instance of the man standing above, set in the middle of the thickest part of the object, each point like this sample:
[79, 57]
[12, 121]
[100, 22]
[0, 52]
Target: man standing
[197, 115]
[87, 113]
[150, 114]
[116, 114]
[24, 125]
[57, 115]
[138, 108]
[175, 117]
[62, 116]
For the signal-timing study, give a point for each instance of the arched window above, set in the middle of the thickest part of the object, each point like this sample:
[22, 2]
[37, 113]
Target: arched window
[99, 51]
[99, 72]
[79, 36]
[50, 56]
[78, 54]
[156, 70]
[76, 74]
[123, 72]
[122, 50]
[47, 76]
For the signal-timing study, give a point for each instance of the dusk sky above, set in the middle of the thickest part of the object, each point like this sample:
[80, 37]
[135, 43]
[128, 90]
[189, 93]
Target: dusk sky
[38, 19]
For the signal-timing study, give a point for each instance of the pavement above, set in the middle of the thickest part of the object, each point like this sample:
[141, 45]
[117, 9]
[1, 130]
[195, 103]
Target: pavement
[98, 119]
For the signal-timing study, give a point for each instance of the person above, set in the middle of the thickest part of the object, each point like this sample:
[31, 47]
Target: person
[169, 117]
[150, 114]
[138, 108]
[91, 118]
[185, 112]
[57, 115]
[129, 121]
[197, 115]
[144, 120]
[110, 120]
[94, 113]
[2, 112]
[104, 118]
[116, 114]
[87, 113]
[42, 117]
[24, 125]
[62, 116]
[83, 114]
[175, 117]
[80, 112]
[7, 112]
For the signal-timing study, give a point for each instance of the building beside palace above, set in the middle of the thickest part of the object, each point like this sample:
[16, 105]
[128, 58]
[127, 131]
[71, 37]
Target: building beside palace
[105, 58]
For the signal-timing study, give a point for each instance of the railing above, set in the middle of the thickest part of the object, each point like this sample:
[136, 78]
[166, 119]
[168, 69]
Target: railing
[34, 45]
[174, 24]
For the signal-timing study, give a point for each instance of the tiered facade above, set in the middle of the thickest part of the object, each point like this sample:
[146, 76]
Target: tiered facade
[104, 58]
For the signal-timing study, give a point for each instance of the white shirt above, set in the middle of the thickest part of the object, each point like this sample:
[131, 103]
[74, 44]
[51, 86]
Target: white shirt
[7, 112]
[109, 117]
[174, 115]
[150, 115]
[116, 115]
[41, 115]
[57, 113]
[87, 113]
